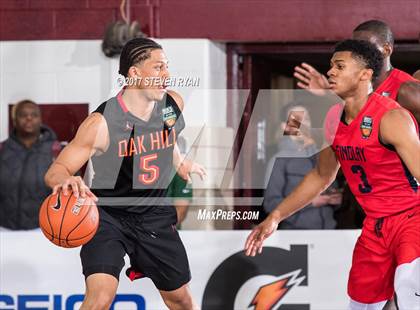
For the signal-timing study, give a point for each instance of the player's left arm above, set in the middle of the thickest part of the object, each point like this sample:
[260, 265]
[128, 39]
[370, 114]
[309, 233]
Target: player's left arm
[409, 97]
[184, 167]
[398, 129]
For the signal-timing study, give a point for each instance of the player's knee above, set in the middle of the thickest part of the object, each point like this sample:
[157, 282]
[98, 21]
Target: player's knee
[98, 301]
[179, 301]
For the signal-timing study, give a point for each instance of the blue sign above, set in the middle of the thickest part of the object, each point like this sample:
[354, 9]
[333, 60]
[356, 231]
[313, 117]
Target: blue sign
[20, 302]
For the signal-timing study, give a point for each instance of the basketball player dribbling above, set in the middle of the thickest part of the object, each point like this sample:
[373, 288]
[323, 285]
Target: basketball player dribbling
[378, 148]
[392, 83]
[131, 140]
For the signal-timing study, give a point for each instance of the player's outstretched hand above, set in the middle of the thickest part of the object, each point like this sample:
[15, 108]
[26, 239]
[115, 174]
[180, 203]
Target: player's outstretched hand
[254, 242]
[309, 78]
[75, 184]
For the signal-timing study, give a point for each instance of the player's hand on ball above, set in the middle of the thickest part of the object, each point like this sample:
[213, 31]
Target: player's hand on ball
[254, 242]
[309, 78]
[77, 186]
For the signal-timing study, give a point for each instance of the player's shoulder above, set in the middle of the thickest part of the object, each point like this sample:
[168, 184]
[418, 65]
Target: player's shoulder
[402, 76]
[334, 113]
[93, 132]
[396, 116]
[416, 75]
[332, 121]
[177, 98]
[386, 102]
[101, 108]
[335, 109]
[109, 105]
[409, 87]
[396, 124]
[93, 122]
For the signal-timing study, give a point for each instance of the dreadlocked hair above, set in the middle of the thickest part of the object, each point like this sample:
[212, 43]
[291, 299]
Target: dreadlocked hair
[135, 51]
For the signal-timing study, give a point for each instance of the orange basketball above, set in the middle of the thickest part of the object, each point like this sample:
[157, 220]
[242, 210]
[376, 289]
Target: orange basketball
[68, 221]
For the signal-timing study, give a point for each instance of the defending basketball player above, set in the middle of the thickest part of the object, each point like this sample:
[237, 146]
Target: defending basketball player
[385, 139]
[391, 81]
[132, 141]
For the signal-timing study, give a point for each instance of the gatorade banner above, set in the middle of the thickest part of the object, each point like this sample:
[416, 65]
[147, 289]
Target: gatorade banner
[298, 270]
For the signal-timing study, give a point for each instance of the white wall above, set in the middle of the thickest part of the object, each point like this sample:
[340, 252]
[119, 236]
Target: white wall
[205, 60]
[78, 72]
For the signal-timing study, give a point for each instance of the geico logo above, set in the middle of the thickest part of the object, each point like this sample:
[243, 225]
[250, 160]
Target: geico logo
[60, 302]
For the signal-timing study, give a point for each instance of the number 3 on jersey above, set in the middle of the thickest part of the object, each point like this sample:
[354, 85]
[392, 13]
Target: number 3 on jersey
[365, 187]
[150, 172]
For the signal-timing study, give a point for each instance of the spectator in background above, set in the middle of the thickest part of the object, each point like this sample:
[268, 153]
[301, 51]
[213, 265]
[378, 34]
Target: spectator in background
[296, 156]
[24, 159]
[179, 190]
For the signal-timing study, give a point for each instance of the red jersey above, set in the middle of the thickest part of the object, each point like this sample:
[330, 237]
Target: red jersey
[391, 85]
[375, 173]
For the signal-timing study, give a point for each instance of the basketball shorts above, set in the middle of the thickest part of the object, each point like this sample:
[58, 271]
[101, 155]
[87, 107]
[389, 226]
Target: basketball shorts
[386, 259]
[149, 239]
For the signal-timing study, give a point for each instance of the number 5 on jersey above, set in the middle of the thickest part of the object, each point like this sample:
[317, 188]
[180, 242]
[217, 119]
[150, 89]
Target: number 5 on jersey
[149, 172]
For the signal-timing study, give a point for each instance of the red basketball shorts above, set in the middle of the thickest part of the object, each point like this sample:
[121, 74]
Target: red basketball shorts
[386, 258]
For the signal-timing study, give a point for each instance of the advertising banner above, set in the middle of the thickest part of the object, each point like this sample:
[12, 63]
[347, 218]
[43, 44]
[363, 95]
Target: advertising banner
[297, 270]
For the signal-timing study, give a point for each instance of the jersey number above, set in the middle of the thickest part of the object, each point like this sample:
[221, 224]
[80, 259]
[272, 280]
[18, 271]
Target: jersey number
[150, 172]
[365, 187]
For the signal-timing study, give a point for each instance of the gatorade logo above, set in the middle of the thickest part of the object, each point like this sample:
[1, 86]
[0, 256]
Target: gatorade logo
[242, 282]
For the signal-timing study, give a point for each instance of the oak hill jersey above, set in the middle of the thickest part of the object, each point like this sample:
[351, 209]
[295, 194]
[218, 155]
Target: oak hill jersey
[136, 168]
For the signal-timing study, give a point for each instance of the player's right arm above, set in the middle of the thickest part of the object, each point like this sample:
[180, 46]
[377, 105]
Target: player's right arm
[313, 184]
[88, 140]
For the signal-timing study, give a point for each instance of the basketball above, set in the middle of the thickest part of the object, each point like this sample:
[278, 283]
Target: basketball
[68, 221]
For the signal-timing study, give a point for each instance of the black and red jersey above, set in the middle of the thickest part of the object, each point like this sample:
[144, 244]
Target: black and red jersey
[135, 169]
[391, 85]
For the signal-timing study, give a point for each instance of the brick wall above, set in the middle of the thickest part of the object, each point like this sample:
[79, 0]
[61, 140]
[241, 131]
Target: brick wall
[224, 20]
[65, 19]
